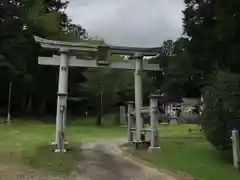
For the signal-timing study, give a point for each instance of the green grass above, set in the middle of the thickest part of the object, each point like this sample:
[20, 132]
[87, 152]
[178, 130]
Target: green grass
[28, 143]
[189, 153]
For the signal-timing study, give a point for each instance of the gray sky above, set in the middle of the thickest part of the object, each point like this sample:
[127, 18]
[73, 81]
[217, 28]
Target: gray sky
[129, 22]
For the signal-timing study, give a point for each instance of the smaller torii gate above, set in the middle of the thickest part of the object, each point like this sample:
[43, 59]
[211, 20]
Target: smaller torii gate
[66, 60]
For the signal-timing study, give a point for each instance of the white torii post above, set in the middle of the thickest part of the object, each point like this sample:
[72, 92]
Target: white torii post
[138, 94]
[61, 114]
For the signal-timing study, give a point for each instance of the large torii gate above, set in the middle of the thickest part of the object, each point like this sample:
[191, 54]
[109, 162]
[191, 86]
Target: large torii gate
[103, 52]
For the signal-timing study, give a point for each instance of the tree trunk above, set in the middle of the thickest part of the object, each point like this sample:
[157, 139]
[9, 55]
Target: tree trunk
[23, 104]
[29, 104]
[99, 118]
[117, 119]
[42, 107]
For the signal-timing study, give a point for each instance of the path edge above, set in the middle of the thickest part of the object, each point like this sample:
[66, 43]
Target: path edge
[179, 176]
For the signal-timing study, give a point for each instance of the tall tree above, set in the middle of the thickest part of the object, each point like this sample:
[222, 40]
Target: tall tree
[213, 30]
[20, 20]
[212, 27]
[177, 74]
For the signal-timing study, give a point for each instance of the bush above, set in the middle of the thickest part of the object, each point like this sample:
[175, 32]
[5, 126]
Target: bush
[221, 109]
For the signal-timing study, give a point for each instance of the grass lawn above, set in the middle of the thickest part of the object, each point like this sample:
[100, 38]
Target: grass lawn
[189, 153]
[28, 143]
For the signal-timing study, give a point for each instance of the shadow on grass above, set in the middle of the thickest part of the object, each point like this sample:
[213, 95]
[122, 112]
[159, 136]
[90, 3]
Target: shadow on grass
[44, 158]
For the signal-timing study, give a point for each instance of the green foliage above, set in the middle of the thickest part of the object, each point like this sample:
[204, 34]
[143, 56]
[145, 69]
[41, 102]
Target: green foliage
[109, 83]
[116, 86]
[222, 105]
[212, 28]
[49, 23]
[177, 75]
[19, 53]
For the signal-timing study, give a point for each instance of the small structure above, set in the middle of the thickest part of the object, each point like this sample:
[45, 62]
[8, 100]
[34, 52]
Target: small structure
[152, 112]
[188, 105]
[170, 104]
[189, 113]
[179, 110]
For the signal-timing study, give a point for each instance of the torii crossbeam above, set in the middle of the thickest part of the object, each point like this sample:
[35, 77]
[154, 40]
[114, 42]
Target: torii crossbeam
[66, 60]
[74, 62]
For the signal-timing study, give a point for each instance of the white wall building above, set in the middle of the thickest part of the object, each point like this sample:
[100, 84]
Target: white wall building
[186, 107]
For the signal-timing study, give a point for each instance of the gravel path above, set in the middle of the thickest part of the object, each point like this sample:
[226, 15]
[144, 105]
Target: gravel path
[101, 160]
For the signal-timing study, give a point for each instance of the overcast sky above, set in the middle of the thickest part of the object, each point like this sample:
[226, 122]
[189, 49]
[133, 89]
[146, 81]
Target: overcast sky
[129, 22]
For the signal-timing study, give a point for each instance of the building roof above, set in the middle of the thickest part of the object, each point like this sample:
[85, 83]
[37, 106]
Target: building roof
[171, 98]
[190, 101]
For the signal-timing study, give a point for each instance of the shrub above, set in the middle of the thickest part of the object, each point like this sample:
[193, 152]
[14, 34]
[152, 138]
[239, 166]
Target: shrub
[221, 109]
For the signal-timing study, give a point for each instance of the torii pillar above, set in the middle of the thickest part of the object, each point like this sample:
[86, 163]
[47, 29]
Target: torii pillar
[138, 94]
[61, 114]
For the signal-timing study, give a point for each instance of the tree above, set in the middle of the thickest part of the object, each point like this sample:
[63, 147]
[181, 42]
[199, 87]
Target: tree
[103, 87]
[19, 21]
[212, 27]
[113, 87]
[177, 76]
[222, 105]
[213, 30]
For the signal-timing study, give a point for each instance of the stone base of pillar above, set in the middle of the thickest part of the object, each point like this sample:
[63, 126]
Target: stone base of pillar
[54, 143]
[60, 150]
[153, 149]
[142, 145]
[132, 142]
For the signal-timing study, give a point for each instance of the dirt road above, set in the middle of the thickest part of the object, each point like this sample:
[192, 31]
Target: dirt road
[104, 160]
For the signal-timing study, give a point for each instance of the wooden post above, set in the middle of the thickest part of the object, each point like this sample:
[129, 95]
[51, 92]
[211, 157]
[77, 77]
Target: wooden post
[236, 149]
[122, 115]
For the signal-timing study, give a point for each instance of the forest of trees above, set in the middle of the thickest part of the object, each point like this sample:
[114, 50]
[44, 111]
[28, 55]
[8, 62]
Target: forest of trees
[34, 87]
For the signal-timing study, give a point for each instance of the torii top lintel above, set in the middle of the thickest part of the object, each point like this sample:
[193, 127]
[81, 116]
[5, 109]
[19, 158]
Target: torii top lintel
[111, 50]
